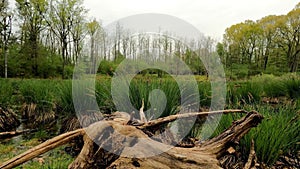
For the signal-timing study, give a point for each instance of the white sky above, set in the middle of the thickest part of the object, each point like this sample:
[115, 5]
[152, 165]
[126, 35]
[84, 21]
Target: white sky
[211, 17]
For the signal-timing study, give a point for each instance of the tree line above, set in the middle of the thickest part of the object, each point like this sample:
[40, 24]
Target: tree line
[41, 38]
[46, 38]
[268, 45]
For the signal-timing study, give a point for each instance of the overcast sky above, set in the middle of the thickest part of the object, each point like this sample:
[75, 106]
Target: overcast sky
[211, 17]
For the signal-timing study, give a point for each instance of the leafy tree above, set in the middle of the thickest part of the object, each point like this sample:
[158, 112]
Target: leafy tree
[32, 15]
[64, 16]
[290, 38]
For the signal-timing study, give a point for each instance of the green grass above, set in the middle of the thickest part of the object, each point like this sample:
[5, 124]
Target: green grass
[287, 85]
[276, 135]
[241, 93]
[6, 92]
[54, 159]
[64, 98]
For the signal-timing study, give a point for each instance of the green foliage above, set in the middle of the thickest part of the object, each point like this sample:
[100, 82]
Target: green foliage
[237, 71]
[267, 45]
[287, 85]
[103, 96]
[292, 82]
[276, 135]
[107, 68]
[240, 93]
[40, 92]
[205, 93]
[6, 92]
[65, 99]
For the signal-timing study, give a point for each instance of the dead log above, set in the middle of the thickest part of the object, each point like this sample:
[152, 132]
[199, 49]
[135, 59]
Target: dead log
[41, 149]
[11, 134]
[120, 145]
[233, 134]
[201, 156]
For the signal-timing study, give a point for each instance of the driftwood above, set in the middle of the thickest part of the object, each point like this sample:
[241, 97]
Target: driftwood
[11, 134]
[252, 158]
[126, 151]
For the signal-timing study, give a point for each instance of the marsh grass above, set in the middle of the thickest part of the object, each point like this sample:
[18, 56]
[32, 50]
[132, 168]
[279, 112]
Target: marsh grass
[103, 96]
[287, 85]
[241, 93]
[65, 99]
[166, 91]
[38, 98]
[6, 92]
[275, 136]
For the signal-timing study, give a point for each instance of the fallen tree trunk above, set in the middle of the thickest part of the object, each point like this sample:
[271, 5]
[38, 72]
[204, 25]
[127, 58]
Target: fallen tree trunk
[11, 134]
[119, 144]
[42, 148]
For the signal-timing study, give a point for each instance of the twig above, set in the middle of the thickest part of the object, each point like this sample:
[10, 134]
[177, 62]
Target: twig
[251, 156]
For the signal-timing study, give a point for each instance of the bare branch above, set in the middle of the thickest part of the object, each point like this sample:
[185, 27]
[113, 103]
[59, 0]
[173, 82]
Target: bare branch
[172, 118]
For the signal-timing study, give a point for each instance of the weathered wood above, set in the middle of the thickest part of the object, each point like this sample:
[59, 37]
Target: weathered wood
[41, 149]
[11, 134]
[252, 157]
[172, 118]
[118, 144]
[203, 155]
[233, 134]
[142, 114]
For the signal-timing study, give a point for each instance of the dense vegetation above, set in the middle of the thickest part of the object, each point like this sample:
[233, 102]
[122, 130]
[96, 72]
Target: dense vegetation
[277, 135]
[268, 45]
[46, 39]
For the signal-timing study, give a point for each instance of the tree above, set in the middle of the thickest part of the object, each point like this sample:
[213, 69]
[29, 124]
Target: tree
[268, 25]
[290, 38]
[241, 44]
[63, 18]
[32, 14]
[5, 31]
[92, 28]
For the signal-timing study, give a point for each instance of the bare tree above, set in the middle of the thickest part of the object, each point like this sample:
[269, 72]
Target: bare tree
[92, 28]
[5, 31]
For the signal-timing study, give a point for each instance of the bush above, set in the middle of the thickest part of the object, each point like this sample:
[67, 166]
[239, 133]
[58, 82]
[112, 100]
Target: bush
[107, 68]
